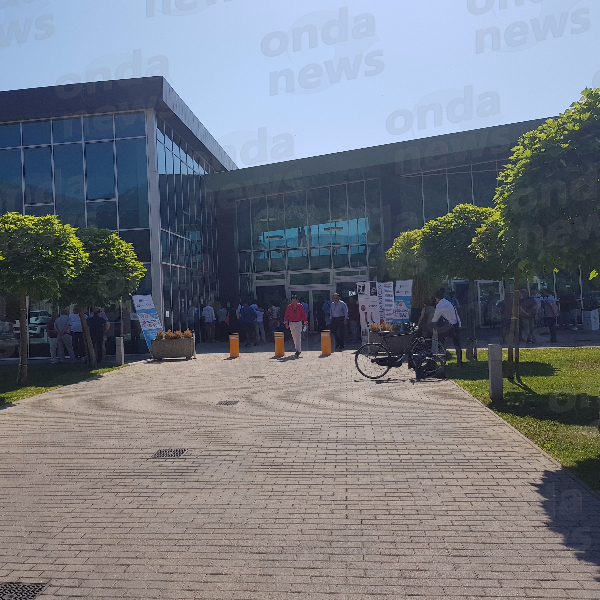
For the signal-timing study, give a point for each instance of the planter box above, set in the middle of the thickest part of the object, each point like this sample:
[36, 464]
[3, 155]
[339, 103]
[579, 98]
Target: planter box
[396, 343]
[590, 320]
[181, 348]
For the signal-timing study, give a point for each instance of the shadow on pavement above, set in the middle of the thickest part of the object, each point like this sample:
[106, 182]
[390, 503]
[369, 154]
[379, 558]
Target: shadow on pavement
[574, 513]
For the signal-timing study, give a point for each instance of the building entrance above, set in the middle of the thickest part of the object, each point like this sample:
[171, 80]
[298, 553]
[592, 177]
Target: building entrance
[315, 298]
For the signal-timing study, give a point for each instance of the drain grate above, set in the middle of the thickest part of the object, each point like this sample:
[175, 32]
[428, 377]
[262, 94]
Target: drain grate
[227, 402]
[169, 453]
[20, 591]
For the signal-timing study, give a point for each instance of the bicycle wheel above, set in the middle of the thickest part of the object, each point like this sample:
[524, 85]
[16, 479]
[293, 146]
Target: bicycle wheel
[373, 360]
[425, 346]
[429, 366]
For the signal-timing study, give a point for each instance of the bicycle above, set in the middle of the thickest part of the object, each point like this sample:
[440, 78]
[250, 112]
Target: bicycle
[374, 360]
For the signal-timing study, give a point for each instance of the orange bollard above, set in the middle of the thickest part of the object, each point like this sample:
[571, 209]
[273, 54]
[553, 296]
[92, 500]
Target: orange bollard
[234, 345]
[279, 344]
[325, 343]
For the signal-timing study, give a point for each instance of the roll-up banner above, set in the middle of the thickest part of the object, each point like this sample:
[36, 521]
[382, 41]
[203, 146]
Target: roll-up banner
[368, 304]
[149, 321]
[402, 296]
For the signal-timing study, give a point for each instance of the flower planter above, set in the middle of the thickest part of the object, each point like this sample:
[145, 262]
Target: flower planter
[181, 348]
[396, 343]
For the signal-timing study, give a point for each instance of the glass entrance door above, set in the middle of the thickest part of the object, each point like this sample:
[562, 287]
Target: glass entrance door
[315, 298]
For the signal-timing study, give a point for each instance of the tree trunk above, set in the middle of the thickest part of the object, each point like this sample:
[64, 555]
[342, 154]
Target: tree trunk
[23, 337]
[472, 341]
[91, 354]
[514, 330]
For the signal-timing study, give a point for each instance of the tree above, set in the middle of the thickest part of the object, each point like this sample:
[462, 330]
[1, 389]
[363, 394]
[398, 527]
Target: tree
[446, 247]
[549, 199]
[112, 272]
[40, 256]
[403, 261]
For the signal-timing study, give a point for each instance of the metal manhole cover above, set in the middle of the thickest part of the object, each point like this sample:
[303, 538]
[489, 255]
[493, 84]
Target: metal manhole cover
[227, 402]
[256, 377]
[20, 591]
[169, 453]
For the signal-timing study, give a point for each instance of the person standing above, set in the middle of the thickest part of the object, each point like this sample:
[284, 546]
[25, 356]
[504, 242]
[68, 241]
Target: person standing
[295, 317]
[98, 326]
[259, 324]
[209, 322]
[327, 312]
[222, 329]
[339, 319]
[447, 321]
[273, 320]
[65, 342]
[354, 318]
[77, 334]
[247, 318]
[528, 316]
[549, 313]
[52, 337]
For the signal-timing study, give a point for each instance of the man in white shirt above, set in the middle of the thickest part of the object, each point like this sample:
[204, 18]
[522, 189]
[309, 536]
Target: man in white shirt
[77, 334]
[63, 330]
[209, 322]
[447, 321]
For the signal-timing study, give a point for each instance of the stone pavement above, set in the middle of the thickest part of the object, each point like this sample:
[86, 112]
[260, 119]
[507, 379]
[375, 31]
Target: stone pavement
[317, 485]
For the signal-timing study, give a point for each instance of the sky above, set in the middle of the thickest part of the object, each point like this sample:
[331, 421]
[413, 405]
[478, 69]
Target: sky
[278, 80]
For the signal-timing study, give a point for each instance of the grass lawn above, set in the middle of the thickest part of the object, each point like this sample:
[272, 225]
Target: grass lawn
[555, 405]
[43, 378]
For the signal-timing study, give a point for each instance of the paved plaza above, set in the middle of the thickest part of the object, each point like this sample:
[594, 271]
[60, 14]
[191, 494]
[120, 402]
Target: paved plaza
[317, 485]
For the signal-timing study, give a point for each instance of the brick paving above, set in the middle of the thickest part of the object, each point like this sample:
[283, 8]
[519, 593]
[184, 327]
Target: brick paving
[317, 485]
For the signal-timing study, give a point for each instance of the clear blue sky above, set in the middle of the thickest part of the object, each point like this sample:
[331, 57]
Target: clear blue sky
[352, 73]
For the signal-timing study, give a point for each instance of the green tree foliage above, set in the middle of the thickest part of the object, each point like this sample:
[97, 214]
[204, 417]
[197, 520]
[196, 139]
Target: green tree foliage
[40, 257]
[112, 272]
[550, 196]
[403, 261]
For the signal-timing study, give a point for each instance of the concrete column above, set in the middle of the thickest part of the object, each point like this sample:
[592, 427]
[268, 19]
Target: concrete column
[495, 371]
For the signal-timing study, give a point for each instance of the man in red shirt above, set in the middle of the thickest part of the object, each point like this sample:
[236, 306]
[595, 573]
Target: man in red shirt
[295, 317]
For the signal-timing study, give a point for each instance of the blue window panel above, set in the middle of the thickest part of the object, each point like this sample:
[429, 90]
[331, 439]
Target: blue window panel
[40, 210]
[130, 125]
[66, 130]
[340, 257]
[100, 167]
[298, 260]
[36, 133]
[11, 191]
[358, 256]
[10, 136]
[132, 183]
[140, 239]
[320, 258]
[98, 128]
[38, 176]
[69, 184]
[102, 215]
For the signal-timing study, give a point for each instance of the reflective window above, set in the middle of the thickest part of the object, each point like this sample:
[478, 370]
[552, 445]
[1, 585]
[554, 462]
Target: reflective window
[145, 287]
[36, 133]
[260, 224]
[38, 175]
[357, 225]
[100, 171]
[261, 262]
[298, 260]
[410, 195]
[132, 183]
[295, 221]
[66, 130]
[98, 128]
[276, 234]
[459, 189]
[140, 239]
[69, 185]
[277, 260]
[373, 210]
[245, 262]
[244, 241]
[130, 125]
[358, 256]
[484, 188]
[320, 258]
[374, 254]
[40, 210]
[318, 216]
[102, 215]
[436, 196]
[11, 192]
[10, 135]
[340, 257]
[339, 214]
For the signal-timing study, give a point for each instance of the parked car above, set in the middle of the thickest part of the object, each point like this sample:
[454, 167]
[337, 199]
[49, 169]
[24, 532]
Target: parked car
[39, 317]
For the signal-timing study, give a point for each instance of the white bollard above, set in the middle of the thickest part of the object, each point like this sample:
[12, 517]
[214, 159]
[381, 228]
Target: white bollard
[120, 352]
[495, 371]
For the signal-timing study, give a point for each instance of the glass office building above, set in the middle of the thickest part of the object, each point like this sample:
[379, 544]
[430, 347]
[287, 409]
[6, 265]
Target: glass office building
[94, 162]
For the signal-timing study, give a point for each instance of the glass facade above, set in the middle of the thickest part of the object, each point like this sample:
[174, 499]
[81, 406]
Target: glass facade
[321, 228]
[187, 229]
